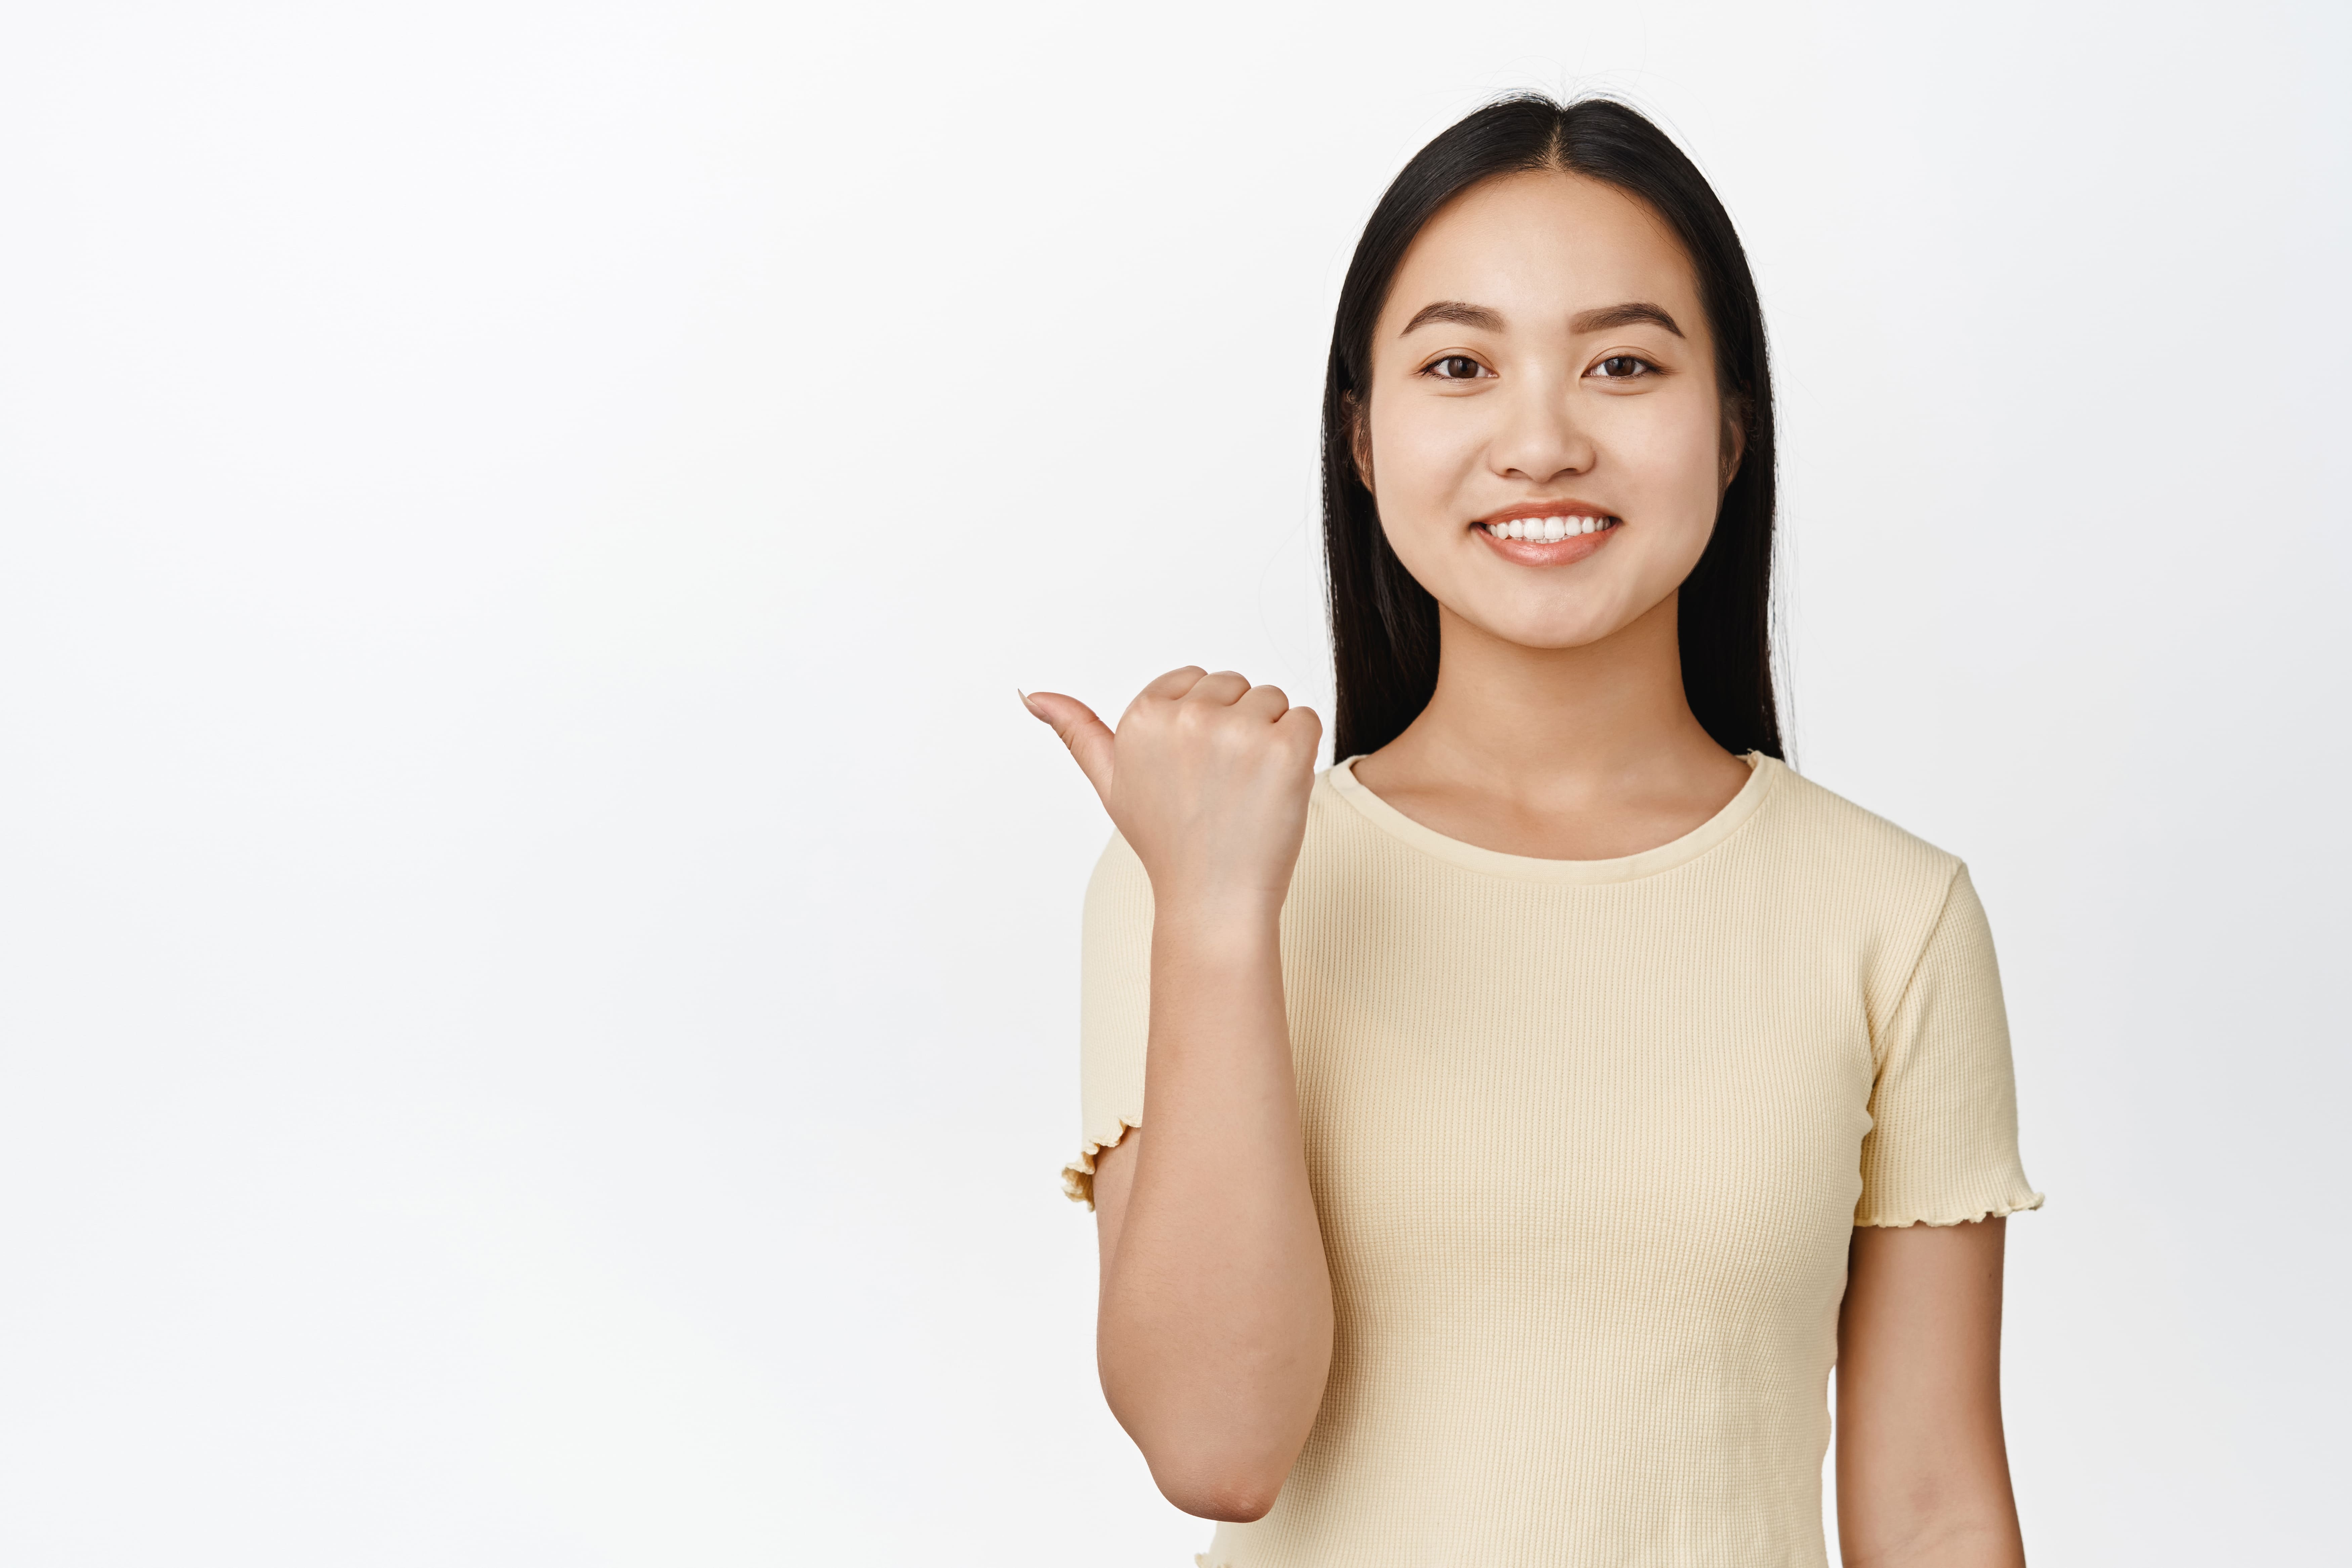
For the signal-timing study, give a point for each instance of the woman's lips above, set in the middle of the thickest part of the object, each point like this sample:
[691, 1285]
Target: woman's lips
[1560, 551]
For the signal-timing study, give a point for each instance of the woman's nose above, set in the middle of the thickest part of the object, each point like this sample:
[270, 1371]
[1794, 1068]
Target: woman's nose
[1541, 438]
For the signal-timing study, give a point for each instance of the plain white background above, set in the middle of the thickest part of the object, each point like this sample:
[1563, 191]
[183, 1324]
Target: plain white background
[537, 993]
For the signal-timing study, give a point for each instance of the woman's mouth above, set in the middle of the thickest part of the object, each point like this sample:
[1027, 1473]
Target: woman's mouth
[1551, 539]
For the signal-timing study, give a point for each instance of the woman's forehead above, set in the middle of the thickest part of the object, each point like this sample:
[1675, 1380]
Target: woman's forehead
[1538, 246]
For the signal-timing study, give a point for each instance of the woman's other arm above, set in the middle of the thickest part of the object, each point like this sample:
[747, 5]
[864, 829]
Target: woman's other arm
[1213, 1335]
[1922, 1467]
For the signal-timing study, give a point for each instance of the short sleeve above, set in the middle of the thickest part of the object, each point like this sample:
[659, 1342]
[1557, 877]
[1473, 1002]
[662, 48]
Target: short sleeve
[1114, 1010]
[1942, 1147]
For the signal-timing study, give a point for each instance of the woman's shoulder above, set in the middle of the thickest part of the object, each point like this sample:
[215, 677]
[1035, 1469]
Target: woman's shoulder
[1826, 829]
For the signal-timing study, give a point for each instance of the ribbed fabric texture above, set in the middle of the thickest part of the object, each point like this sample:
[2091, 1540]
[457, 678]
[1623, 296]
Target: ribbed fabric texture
[1587, 1141]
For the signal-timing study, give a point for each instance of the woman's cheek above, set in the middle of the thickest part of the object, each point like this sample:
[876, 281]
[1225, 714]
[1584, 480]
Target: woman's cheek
[1672, 463]
[1422, 454]
[1418, 469]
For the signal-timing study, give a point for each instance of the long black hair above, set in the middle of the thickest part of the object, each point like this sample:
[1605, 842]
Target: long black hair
[1384, 624]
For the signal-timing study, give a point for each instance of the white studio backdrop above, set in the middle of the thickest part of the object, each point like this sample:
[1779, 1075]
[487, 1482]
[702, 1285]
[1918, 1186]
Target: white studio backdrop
[538, 983]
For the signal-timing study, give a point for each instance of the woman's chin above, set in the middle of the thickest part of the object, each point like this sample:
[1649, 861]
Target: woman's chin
[1550, 634]
[1551, 627]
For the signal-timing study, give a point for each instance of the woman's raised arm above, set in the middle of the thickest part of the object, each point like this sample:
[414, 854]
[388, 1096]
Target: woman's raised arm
[1214, 1331]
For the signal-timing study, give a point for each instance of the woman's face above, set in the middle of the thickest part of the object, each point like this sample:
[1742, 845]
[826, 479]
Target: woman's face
[1543, 368]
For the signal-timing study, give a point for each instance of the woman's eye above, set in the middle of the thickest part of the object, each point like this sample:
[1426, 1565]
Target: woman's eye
[1457, 367]
[1622, 367]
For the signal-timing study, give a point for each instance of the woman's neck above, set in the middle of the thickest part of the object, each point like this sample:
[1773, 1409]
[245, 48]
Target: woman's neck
[1571, 754]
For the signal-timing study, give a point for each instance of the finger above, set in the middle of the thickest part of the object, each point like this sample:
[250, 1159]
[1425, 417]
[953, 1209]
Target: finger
[1266, 702]
[1224, 688]
[1088, 738]
[1304, 723]
[1174, 685]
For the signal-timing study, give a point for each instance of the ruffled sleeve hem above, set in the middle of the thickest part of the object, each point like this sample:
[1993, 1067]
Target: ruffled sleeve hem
[1963, 1214]
[1078, 1175]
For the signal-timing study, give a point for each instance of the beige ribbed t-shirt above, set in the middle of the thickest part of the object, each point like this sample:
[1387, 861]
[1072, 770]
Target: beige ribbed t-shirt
[1589, 1140]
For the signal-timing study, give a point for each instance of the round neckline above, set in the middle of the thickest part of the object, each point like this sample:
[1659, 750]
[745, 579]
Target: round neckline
[1763, 774]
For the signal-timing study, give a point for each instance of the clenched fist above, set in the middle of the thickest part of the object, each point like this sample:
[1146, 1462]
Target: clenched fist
[1207, 778]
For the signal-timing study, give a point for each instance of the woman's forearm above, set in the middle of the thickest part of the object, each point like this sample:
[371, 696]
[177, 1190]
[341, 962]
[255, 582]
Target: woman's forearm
[1215, 1335]
[1922, 1469]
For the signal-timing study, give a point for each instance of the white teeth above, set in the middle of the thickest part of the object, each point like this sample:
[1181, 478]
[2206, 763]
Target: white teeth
[1544, 529]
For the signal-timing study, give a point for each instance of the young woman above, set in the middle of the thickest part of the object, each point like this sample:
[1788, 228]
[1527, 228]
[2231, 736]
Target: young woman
[1541, 1100]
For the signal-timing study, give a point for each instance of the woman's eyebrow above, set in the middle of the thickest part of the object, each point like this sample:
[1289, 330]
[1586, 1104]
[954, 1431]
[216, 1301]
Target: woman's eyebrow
[1460, 315]
[1624, 315]
[1599, 320]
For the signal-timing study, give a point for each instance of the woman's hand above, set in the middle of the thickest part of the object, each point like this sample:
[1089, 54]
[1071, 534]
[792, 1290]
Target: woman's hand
[1206, 778]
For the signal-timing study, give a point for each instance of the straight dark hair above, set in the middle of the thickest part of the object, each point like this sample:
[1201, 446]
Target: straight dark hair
[1383, 623]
